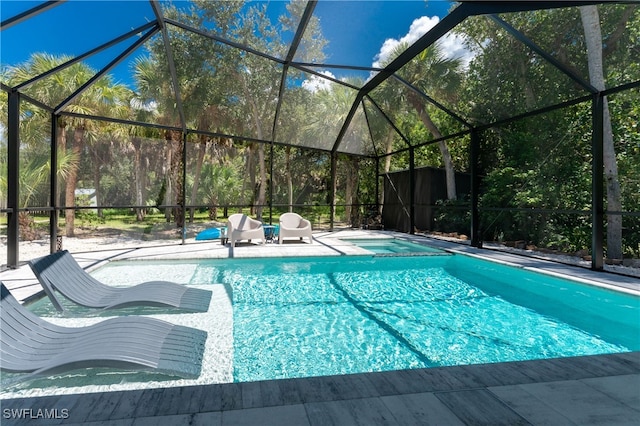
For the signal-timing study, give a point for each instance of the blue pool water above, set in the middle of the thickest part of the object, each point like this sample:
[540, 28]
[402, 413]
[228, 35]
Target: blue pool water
[392, 246]
[321, 316]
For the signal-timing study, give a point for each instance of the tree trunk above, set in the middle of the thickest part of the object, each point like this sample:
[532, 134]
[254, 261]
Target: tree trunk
[98, 190]
[202, 149]
[137, 178]
[262, 185]
[252, 179]
[72, 181]
[348, 194]
[387, 167]
[176, 176]
[168, 193]
[353, 198]
[593, 38]
[450, 175]
[62, 148]
[334, 188]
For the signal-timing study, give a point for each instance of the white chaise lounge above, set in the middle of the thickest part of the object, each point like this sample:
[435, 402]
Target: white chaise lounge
[59, 271]
[30, 344]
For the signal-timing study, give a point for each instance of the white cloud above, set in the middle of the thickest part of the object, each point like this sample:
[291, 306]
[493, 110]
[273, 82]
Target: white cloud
[417, 29]
[316, 83]
[451, 44]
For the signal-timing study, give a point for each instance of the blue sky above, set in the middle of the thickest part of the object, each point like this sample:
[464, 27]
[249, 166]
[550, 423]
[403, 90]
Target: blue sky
[356, 30]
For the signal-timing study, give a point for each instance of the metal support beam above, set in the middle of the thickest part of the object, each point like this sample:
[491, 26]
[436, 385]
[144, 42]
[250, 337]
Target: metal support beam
[484, 7]
[332, 198]
[157, 10]
[13, 179]
[139, 42]
[83, 56]
[183, 207]
[8, 23]
[297, 38]
[597, 180]
[271, 184]
[432, 101]
[391, 123]
[412, 191]
[53, 186]
[347, 122]
[377, 159]
[547, 56]
[476, 235]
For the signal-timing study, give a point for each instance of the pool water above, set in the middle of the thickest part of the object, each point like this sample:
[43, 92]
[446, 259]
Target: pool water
[301, 317]
[312, 316]
[393, 246]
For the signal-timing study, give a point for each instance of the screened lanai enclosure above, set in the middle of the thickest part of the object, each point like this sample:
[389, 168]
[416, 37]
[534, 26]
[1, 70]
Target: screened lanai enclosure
[511, 122]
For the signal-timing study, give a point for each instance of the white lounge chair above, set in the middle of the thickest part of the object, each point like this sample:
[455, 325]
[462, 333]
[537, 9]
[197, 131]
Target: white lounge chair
[294, 225]
[60, 271]
[29, 344]
[242, 227]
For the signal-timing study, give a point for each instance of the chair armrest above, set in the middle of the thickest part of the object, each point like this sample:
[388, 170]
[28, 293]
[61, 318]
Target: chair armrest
[253, 223]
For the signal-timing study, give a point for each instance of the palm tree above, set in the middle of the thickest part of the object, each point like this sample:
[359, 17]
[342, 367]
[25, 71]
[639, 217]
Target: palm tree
[222, 185]
[388, 97]
[259, 80]
[51, 90]
[432, 73]
[333, 106]
[155, 88]
[110, 142]
[103, 98]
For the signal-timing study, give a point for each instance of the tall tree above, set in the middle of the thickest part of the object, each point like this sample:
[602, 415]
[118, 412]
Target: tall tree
[332, 105]
[542, 161]
[155, 91]
[104, 97]
[594, 42]
[438, 76]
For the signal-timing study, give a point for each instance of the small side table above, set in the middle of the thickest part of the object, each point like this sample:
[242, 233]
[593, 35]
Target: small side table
[223, 236]
[269, 232]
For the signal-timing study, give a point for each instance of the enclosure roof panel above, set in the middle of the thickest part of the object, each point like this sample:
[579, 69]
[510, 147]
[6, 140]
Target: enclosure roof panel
[299, 72]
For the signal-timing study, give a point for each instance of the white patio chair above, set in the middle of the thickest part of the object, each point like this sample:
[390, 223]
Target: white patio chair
[294, 225]
[242, 227]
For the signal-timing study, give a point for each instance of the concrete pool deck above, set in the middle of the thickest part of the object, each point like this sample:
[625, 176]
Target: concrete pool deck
[589, 390]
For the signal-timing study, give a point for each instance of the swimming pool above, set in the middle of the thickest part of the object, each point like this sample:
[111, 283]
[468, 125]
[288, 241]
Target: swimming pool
[300, 317]
[297, 317]
[393, 246]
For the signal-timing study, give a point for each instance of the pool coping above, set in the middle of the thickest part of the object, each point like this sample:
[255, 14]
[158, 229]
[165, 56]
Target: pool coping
[521, 392]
